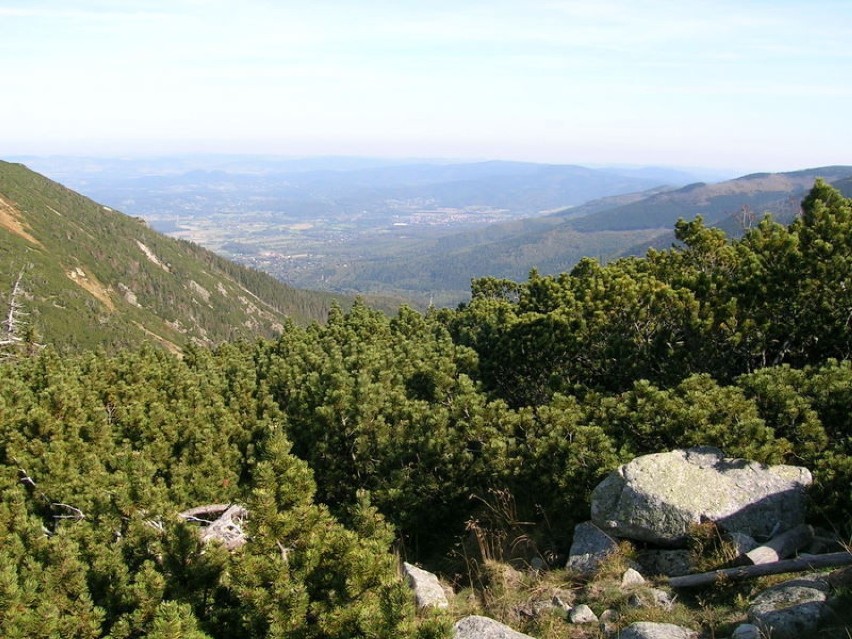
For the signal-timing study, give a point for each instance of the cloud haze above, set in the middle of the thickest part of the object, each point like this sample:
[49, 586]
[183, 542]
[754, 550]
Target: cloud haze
[760, 85]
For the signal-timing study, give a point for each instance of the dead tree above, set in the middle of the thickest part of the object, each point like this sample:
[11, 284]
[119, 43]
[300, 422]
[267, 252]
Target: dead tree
[11, 324]
[219, 522]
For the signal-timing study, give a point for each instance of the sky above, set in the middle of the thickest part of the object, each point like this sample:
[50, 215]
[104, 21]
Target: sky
[751, 85]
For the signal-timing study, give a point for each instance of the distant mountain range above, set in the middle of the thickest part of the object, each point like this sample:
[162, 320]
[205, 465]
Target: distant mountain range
[340, 187]
[419, 230]
[610, 227]
[91, 276]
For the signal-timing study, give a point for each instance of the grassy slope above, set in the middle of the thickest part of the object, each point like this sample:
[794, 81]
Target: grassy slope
[96, 277]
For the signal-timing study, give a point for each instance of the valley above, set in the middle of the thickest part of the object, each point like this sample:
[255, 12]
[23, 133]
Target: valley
[418, 230]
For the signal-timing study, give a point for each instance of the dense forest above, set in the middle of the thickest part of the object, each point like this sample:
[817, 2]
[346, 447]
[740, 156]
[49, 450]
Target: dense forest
[372, 438]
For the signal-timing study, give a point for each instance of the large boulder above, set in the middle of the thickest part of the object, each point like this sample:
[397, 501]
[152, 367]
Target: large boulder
[657, 498]
[476, 627]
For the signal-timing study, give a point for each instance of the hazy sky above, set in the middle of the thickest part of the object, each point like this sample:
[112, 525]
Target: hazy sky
[757, 85]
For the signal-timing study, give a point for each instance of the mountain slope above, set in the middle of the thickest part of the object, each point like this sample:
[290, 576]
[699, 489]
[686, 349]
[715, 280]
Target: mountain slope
[712, 201]
[779, 194]
[92, 276]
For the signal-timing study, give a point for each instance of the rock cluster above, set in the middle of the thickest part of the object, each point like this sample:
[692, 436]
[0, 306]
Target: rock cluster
[658, 498]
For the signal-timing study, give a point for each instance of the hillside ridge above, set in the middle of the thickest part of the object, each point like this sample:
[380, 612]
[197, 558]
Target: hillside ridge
[93, 276]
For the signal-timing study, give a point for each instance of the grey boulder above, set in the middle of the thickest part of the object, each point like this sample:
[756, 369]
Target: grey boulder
[658, 497]
[649, 630]
[588, 548]
[428, 592]
[582, 614]
[792, 609]
[476, 627]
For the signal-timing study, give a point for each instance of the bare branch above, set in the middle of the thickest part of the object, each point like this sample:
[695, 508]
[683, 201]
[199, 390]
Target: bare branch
[227, 529]
[207, 509]
[224, 525]
[155, 524]
[779, 547]
[26, 479]
[75, 513]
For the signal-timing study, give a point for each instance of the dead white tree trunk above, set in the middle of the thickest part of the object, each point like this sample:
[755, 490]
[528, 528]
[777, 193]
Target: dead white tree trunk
[11, 323]
[220, 522]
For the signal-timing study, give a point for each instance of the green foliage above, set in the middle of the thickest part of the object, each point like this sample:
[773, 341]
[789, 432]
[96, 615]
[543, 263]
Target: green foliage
[99, 454]
[348, 438]
[810, 407]
[779, 295]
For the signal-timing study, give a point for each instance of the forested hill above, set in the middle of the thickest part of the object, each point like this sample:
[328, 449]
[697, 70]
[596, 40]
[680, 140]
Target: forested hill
[93, 276]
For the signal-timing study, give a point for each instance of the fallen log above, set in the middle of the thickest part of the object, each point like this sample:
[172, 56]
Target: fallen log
[779, 547]
[799, 564]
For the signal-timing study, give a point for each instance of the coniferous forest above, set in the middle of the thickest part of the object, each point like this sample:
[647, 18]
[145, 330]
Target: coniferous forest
[371, 438]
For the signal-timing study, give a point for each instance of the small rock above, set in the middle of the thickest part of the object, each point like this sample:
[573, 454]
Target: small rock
[476, 627]
[588, 548]
[631, 577]
[559, 604]
[608, 620]
[742, 543]
[651, 598]
[609, 616]
[649, 630]
[746, 631]
[534, 609]
[582, 614]
[428, 592]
